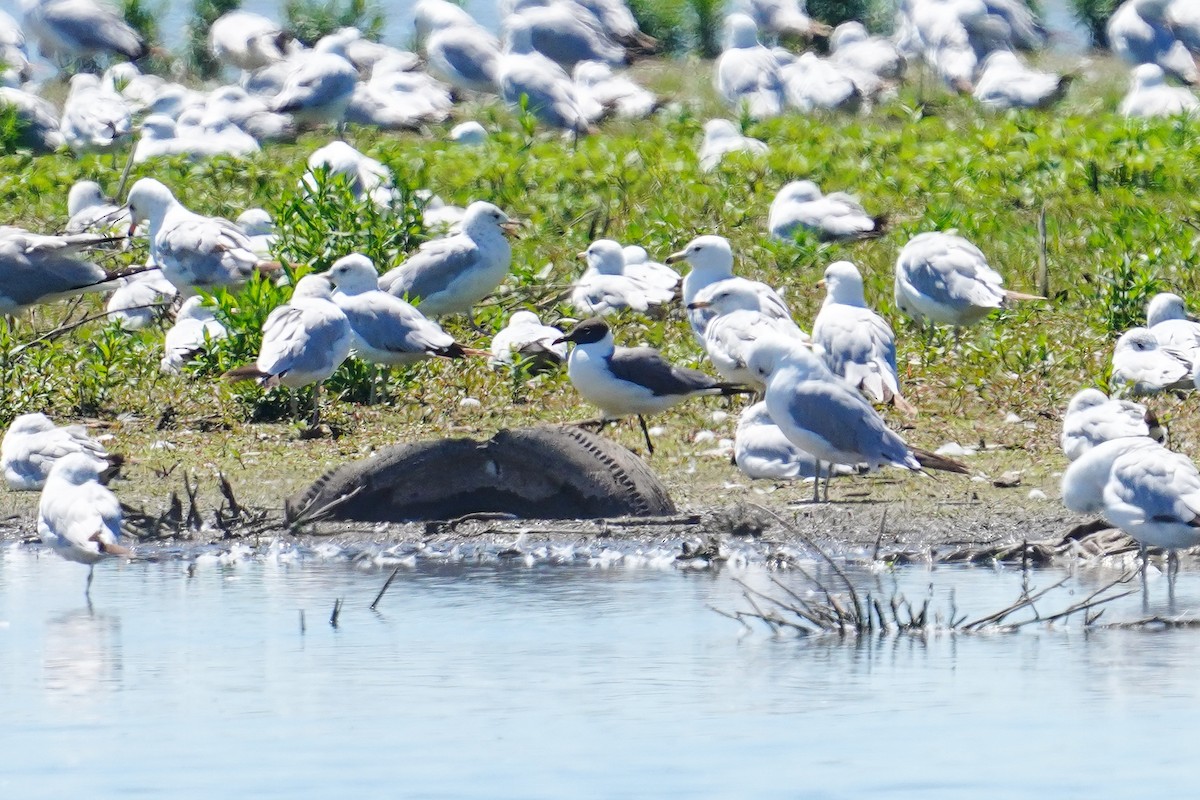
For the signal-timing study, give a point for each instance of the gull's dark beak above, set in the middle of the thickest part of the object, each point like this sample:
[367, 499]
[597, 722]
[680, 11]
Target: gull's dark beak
[821, 283]
[699, 304]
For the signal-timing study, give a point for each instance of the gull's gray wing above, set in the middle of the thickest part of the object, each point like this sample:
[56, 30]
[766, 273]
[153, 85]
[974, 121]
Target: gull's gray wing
[840, 415]
[646, 366]
[432, 268]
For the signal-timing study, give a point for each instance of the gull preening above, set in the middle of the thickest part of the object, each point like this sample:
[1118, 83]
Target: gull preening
[451, 275]
[77, 517]
[857, 343]
[33, 444]
[304, 341]
[192, 250]
[631, 381]
[943, 278]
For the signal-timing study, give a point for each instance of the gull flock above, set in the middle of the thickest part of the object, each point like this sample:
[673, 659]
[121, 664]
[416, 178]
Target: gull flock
[813, 413]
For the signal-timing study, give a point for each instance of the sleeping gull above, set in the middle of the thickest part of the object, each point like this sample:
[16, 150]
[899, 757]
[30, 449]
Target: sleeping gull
[33, 443]
[386, 329]
[70, 30]
[761, 451]
[711, 260]
[89, 210]
[140, 299]
[1140, 363]
[626, 381]
[195, 324]
[318, 88]
[639, 267]
[366, 176]
[530, 79]
[812, 83]
[250, 114]
[610, 90]
[944, 278]
[304, 342]
[1168, 320]
[77, 517]
[526, 339]
[258, 226]
[38, 269]
[738, 325]
[822, 414]
[1007, 83]
[247, 41]
[721, 137]
[747, 74]
[1150, 96]
[449, 276]
[852, 46]
[1093, 418]
[858, 344]
[94, 118]
[604, 287]
[191, 249]
[1139, 32]
[801, 206]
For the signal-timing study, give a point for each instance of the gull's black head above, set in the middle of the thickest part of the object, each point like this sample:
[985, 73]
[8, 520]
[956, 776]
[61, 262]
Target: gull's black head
[587, 332]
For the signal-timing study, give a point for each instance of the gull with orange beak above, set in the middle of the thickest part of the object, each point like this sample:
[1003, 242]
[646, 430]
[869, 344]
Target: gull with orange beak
[192, 250]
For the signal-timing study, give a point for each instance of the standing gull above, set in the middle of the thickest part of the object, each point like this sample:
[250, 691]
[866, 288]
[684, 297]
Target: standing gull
[625, 381]
[304, 342]
[318, 88]
[1167, 318]
[801, 206]
[761, 451]
[191, 249]
[530, 80]
[822, 414]
[1150, 96]
[32, 445]
[944, 278]
[1139, 32]
[747, 74]
[858, 344]
[1093, 418]
[94, 118]
[77, 517]
[449, 276]
[70, 30]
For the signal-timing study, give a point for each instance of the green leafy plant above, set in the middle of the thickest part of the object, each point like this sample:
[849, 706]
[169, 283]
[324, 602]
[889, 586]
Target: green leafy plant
[309, 20]
[204, 14]
[1094, 15]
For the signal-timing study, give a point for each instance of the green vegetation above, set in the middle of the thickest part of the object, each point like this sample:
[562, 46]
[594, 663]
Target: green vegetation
[1119, 197]
[1094, 14]
[204, 14]
[309, 20]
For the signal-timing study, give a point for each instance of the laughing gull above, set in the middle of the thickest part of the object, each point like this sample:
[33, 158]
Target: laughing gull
[191, 249]
[626, 381]
[39, 269]
[70, 30]
[823, 415]
[247, 41]
[304, 342]
[33, 443]
[943, 278]
[722, 137]
[1093, 418]
[387, 330]
[526, 339]
[604, 287]
[801, 206]
[711, 259]
[747, 74]
[858, 344]
[449, 276]
[195, 325]
[1140, 363]
[1150, 96]
[761, 451]
[77, 517]
[739, 324]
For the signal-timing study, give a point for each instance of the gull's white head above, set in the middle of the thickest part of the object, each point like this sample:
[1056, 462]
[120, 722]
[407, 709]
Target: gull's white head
[708, 255]
[843, 284]
[468, 133]
[725, 297]
[740, 31]
[31, 423]
[354, 274]
[1146, 76]
[149, 201]
[523, 319]
[799, 192]
[337, 157]
[481, 217]
[1136, 340]
[635, 254]
[1085, 399]
[1165, 306]
[84, 195]
[591, 73]
[772, 353]
[75, 469]
[846, 34]
[194, 308]
[716, 130]
[256, 222]
[605, 256]
[315, 287]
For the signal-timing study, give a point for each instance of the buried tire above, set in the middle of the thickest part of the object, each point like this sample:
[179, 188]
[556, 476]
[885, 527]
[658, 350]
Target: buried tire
[545, 472]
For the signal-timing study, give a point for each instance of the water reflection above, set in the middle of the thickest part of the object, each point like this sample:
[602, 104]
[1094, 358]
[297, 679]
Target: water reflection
[81, 656]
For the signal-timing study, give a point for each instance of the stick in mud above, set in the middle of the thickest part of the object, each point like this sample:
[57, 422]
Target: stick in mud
[337, 610]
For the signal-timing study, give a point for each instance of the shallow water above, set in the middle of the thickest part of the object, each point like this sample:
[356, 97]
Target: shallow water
[505, 680]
